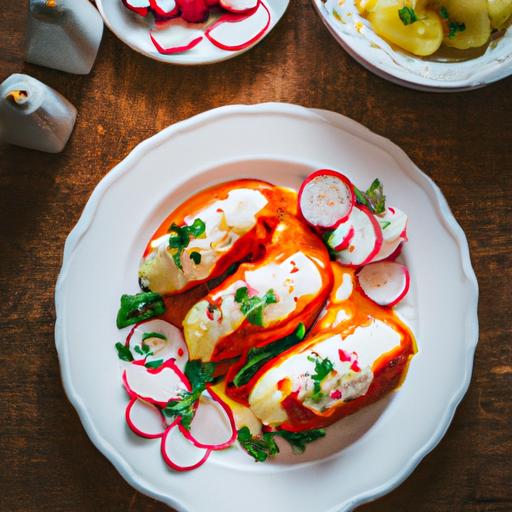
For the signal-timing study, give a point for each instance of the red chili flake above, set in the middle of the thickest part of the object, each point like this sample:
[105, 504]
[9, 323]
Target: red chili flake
[180, 352]
[344, 356]
[355, 367]
[336, 394]
[219, 210]
[296, 299]
[391, 209]
[294, 270]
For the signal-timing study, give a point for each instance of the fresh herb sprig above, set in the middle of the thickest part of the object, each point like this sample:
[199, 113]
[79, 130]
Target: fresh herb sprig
[252, 307]
[199, 375]
[453, 26]
[125, 354]
[139, 307]
[373, 198]
[258, 356]
[407, 15]
[323, 366]
[264, 446]
[180, 237]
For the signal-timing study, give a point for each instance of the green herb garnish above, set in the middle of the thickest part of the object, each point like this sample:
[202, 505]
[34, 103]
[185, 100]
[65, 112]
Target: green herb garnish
[322, 368]
[454, 28]
[154, 364]
[123, 352]
[195, 257]
[373, 198]
[143, 350]
[180, 238]
[384, 224]
[443, 12]
[252, 307]
[264, 446]
[148, 335]
[259, 356]
[199, 375]
[407, 15]
[135, 308]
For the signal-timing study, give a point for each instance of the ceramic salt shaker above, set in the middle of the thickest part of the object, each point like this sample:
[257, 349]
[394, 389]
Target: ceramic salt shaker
[63, 34]
[33, 115]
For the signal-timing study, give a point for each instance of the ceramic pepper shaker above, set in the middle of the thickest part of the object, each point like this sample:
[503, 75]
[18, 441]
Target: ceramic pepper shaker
[63, 34]
[33, 115]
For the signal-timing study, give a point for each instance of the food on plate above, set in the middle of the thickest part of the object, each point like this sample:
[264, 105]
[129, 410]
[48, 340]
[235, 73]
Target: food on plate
[180, 25]
[265, 316]
[421, 27]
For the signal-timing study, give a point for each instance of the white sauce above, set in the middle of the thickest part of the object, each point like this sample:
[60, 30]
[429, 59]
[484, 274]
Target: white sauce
[345, 289]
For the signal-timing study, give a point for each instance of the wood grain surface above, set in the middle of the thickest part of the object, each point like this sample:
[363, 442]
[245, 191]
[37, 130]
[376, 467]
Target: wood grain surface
[463, 141]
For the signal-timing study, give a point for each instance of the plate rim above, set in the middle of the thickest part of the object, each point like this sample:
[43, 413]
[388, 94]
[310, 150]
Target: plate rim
[451, 225]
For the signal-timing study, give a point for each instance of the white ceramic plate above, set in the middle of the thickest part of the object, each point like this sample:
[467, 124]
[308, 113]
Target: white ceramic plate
[133, 30]
[355, 35]
[363, 456]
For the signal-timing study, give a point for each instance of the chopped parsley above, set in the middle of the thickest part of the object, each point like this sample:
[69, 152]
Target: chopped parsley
[148, 335]
[180, 237]
[199, 375]
[322, 368]
[443, 12]
[454, 28]
[154, 364]
[143, 350]
[264, 446]
[123, 352]
[135, 308]
[252, 307]
[258, 356]
[373, 198]
[195, 257]
[384, 224]
[407, 15]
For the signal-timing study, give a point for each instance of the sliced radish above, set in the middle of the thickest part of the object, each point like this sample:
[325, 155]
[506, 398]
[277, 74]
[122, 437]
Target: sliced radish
[144, 419]
[212, 3]
[235, 32]
[194, 11]
[340, 238]
[175, 36]
[238, 6]
[172, 347]
[326, 199]
[213, 425]
[156, 386]
[367, 239]
[179, 452]
[164, 8]
[141, 7]
[386, 282]
[394, 231]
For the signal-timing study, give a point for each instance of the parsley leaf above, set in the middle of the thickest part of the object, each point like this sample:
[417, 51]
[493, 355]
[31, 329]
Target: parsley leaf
[322, 368]
[443, 12]
[373, 198]
[180, 238]
[407, 15]
[264, 446]
[148, 335]
[199, 374]
[195, 257]
[135, 308]
[123, 352]
[154, 364]
[454, 28]
[259, 356]
[252, 307]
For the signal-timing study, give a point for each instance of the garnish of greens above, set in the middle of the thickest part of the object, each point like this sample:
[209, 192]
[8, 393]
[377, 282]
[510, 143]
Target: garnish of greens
[407, 15]
[264, 446]
[180, 237]
[453, 26]
[252, 307]
[139, 307]
[258, 356]
[199, 375]
[124, 353]
[373, 198]
[322, 368]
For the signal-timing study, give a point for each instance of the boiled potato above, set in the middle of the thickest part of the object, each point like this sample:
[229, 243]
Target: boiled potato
[474, 15]
[499, 11]
[423, 37]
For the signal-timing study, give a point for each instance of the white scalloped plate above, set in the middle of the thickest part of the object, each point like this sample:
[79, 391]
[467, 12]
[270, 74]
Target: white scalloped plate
[355, 35]
[363, 456]
[133, 30]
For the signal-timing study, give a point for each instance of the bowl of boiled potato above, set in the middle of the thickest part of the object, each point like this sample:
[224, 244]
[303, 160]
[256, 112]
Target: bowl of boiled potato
[435, 45]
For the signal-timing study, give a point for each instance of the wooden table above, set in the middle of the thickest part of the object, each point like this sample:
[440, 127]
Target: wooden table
[462, 141]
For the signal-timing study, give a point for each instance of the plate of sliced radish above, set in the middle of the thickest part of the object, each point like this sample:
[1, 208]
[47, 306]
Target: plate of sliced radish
[397, 253]
[191, 32]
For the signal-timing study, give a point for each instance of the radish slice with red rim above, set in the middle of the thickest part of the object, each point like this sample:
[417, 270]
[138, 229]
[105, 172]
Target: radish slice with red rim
[237, 6]
[340, 238]
[394, 232]
[326, 199]
[164, 8]
[179, 452]
[176, 36]
[159, 338]
[367, 239]
[194, 11]
[235, 32]
[141, 7]
[144, 419]
[156, 386]
[386, 283]
[213, 425]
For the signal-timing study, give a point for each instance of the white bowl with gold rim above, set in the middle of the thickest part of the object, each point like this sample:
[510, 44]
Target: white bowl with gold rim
[356, 36]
